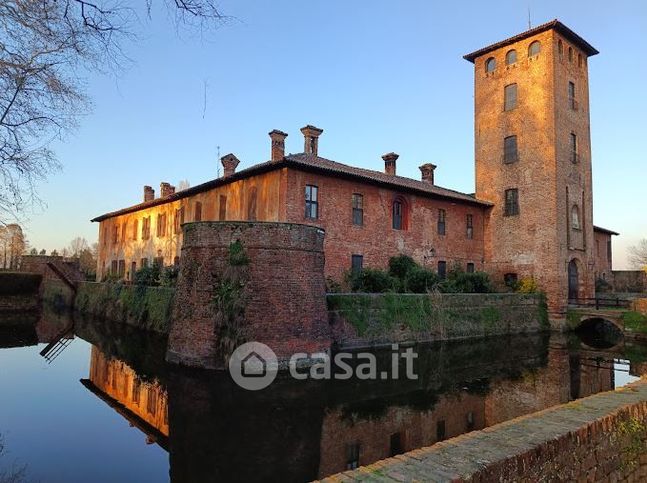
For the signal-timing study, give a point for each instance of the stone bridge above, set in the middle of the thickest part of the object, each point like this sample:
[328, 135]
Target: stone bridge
[578, 316]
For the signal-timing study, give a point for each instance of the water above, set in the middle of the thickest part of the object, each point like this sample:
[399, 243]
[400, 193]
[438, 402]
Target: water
[109, 409]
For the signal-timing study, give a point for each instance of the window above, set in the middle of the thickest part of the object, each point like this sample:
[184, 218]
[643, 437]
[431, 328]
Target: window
[510, 150]
[469, 221]
[312, 202]
[115, 235]
[161, 225]
[580, 60]
[510, 97]
[136, 390]
[397, 215]
[114, 267]
[442, 269]
[575, 218]
[121, 271]
[151, 402]
[197, 211]
[574, 155]
[158, 261]
[357, 263]
[135, 230]
[609, 250]
[358, 209]
[396, 444]
[146, 228]
[143, 263]
[352, 456]
[441, 434]
[510, 280]
[133, 269]
[251, 204]
[469, 426]
[490, 65]
[470, 267]
[222, 208]
[571, 96]
[570, 54]
[560, 49]
[178, 220]
[511, 57]
[511, 202]
[441, 222]
[534, 48]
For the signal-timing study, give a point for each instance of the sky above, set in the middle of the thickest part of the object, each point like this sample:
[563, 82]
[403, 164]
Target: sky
[377, 76]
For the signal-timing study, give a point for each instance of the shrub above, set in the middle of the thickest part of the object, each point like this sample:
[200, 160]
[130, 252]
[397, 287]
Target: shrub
[459, 281]
[421, 280]
[370, 281]
[148, 276]
[168, 276]
[401, 265]
[332, 286]
[527, 285]
[602, 286]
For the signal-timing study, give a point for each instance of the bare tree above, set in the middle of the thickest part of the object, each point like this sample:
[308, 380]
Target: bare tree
[77, 246]
[638, 255]
[12, 245]
[44, 46]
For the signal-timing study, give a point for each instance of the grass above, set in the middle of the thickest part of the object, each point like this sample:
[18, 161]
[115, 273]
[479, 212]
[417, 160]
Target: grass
[635, 321]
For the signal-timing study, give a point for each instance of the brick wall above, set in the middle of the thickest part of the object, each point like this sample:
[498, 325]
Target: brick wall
[630, 281]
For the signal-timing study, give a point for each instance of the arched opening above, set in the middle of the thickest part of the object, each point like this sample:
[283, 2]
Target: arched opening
[573, 281]
[511, 57]
[534, 48]
[490, 65]
[400, 213]
[575, 218]
[599, 333]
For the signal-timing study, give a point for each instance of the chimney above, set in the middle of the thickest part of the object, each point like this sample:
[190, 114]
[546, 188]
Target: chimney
[427, 172]
[311, 139]
[278, 144]
[229, 163]
[149, 193]
[166, 189]
[389, 163]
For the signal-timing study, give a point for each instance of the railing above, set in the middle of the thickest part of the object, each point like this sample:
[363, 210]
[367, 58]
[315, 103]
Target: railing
[599, 303]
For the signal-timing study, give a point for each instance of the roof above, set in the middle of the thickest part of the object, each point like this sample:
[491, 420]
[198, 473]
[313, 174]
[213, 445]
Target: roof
[553, 24]
[313, 163]
[604, 230]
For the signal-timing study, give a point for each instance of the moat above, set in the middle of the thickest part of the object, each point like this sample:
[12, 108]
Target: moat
[104, 406]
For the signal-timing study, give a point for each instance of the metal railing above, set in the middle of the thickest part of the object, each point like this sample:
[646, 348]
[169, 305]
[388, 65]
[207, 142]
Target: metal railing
[600, 303]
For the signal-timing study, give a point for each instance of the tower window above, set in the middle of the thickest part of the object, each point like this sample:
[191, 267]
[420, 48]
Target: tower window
[490, 65]
[312, 202]
[442, 269]
[397, 215]
[570, 54]
[511, 57]
[575, 218]
[534, 48]
[560, 49]
[580, 60]
[510, 97]
[511, 202]
[197, 211]
[574, 156]
[470, 226]
[357, 263]
[571, 96]
[510, 152]
[358, 209]
[442, 215]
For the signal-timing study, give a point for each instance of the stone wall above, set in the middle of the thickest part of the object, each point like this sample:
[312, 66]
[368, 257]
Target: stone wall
[373, 319]
[147, 308]
[631, 281]
[19, 292]
[598, 438]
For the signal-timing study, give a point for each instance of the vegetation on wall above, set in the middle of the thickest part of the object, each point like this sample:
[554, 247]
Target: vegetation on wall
[406, 276]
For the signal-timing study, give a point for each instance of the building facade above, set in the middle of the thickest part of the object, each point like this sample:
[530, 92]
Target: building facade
[531, 214]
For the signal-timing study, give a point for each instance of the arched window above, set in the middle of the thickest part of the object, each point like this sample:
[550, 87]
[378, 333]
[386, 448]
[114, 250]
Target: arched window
[575, 218]
[570, 54]
[580, 60]
[560, 49]
[511, 57]
[534, 48]
[400, 214]
[490, 65]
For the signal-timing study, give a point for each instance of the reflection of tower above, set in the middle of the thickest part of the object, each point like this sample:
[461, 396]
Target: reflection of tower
[533, 159]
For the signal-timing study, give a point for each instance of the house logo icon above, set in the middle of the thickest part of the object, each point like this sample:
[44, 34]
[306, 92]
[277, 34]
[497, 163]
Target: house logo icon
[253, 366]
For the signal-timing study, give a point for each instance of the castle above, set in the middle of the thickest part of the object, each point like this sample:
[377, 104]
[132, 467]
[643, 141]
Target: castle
[531, 214]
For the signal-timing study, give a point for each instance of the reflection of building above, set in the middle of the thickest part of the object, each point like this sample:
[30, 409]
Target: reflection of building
[143, 403]
[531, 215]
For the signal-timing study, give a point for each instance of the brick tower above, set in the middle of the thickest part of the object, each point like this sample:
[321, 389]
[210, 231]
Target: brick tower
[533, 160]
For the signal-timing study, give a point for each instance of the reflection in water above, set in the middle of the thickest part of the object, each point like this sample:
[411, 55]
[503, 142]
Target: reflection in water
[302, 430]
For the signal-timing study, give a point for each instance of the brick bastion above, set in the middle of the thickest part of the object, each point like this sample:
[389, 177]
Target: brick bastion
[248, 281]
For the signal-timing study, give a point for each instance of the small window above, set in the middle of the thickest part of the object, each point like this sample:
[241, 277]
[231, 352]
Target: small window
[251, 204]
[511, 57]
[470, 267]
[146, 228]
[197, 211]
[571, 96]
[115, 235]
[178, 220]
[441, 433]
[397, 215]
[122, 268]
[396, 446]
[442, 269]
[469, 423]
[490, 65]
[133, 270]
[114, 267]
[580, 60]
[143, 263]
[357, 263]
[135, 230]
[575, 218]
[534, 48]
[222, 208]
[510, 280]
[511, 202]
[151, 402]
[560, 49]
[510, 97]
[352, 456]
[510, 150]
[574, 156]
[570, 54]
[469, 221]
[312, 202]
[609, 250]
[161, 225]
[441, 221]
[136, 390]
[358, 209]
